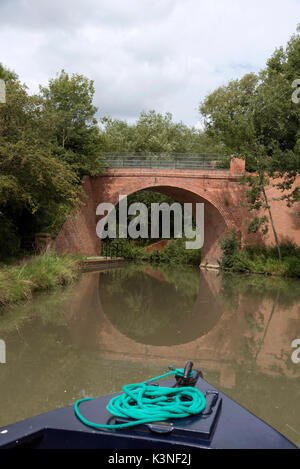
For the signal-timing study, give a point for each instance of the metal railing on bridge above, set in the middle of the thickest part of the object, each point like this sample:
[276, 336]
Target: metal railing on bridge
[166, 161]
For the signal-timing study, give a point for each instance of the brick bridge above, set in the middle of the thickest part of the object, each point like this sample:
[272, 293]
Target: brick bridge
[220, 191]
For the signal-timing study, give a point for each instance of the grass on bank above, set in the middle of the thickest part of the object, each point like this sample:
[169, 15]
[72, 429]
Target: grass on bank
[44, 272]
[260, 259]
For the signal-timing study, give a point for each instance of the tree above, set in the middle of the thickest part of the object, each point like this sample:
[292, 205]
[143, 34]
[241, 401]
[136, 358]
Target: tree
[117, 136]
[281, 120]
[36, 189]
[6, 74]
[258, 200]
[227, 114]
[255, 117]
[70, 122]
[229, 118]
[257, 111]
[155, 133]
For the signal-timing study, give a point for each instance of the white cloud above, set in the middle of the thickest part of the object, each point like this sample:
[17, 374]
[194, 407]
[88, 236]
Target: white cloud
[144, 54]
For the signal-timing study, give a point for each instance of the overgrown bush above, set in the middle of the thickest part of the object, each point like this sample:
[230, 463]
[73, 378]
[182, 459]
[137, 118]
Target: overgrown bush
[123, 247]
[176, 253]
[230, 245]
[173, 253]
[259, 259]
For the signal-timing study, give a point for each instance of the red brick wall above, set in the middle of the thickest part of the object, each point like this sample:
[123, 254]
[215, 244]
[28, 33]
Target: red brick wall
[78, 234]
[237, 166]
[157, 246]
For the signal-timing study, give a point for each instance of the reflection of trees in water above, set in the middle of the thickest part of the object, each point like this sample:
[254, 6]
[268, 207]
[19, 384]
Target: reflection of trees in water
[272, 398]
[146, 308]
[40, 367]
[259, 287]
[258, 299]
[185, 281]
[45, 371]
[49, 308]
[159, 306]
[139, 323]
[185, 278]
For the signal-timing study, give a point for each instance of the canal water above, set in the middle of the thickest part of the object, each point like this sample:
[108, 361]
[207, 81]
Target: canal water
[128, 324]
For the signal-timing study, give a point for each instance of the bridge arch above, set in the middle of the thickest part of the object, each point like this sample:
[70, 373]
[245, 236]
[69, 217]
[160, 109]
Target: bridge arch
[217, 220]
[219, 190]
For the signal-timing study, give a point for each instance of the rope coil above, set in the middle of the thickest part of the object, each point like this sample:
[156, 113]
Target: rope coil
[145, 403]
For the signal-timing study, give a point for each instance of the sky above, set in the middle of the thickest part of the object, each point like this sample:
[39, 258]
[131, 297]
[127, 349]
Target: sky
[166, 55]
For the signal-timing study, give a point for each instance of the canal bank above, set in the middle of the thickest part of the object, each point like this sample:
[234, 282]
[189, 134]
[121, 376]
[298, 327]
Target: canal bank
[101, 262]
[43, 272]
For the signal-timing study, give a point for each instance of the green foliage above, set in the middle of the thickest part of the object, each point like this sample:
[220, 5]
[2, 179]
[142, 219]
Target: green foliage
[7, 75]
[287, 249]
[226, 113]
[155, 133]
[70, 123]
[223, 162]
[176, 253]
[255, 117]
[10, 243]
[257, 223]
[36, 189]
[173, 253]
[13, 287]
[47, 142]
[292, 264]
[257, 199]
[147, 198]
[229, 245]
[43, 272]
[260, 259]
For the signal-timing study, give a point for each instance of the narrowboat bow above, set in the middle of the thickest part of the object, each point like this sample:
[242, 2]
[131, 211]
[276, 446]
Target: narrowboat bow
[221, 423]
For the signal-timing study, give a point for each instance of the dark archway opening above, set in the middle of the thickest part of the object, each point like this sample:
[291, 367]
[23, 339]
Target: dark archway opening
[214, 223]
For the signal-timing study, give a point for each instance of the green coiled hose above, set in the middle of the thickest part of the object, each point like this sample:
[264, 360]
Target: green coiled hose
[145, 403]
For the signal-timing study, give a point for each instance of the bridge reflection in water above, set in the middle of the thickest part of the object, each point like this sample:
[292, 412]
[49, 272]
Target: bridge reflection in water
[225, 324]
